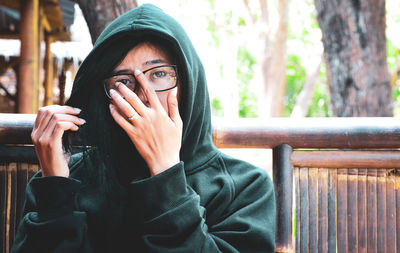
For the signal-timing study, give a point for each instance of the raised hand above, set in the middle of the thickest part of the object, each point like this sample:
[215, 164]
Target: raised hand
[50, 124]
[155, 131]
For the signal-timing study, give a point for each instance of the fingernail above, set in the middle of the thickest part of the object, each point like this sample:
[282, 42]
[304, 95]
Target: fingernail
[77, 110]
[112, 91]
[175, 91]
[117, 84]
[111, 106]
[82, 120]
[137, 71]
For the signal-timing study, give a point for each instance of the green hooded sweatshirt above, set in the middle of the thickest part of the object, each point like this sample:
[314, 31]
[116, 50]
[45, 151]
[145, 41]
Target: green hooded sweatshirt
[209, 202]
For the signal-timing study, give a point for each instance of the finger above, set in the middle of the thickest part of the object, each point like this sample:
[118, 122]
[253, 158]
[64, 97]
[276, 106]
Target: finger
[61, 127]
[51, 116]
[39, 117]
[120, 119]
[54, 126]
[123, 106]
[42, 125]
[173, 107]
[61, 109]
[147, 89]
[132, 99]
[47, 111]
[67, 109]
[69, 118]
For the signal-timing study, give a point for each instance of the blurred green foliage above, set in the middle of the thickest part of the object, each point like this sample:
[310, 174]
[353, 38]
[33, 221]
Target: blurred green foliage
[295, 79]
[392, 60]
[304, 33]
[303, 38]
[320, 104]
[245, 72]
[216, 107]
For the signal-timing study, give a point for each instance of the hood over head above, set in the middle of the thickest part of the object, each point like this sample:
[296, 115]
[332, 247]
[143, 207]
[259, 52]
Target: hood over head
[148, 21]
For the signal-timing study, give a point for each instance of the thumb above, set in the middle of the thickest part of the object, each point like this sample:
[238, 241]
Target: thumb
[173, 107]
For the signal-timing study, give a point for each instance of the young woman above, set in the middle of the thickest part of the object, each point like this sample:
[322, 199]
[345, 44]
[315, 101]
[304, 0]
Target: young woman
[149, 178]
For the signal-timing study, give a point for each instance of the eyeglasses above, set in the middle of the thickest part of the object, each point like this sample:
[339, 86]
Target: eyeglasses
[162, 78]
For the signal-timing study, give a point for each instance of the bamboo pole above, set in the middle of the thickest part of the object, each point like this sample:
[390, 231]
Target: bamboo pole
[48, 68]
[40, 82]
[29, 56]
[283, 182]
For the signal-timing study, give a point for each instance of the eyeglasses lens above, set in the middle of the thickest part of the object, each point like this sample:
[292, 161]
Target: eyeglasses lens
[161, 78]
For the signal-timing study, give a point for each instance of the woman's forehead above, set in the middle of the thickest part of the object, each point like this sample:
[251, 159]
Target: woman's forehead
[145, 54]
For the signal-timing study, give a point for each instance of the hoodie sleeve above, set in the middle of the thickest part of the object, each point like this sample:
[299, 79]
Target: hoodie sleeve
[49, 222]
[174, 221]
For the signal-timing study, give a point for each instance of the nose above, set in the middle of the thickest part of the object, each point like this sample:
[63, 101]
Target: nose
[142, 96]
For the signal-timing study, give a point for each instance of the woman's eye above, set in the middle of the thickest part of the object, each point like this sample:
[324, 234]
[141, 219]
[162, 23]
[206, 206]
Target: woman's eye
[159, 74]
[126, 81]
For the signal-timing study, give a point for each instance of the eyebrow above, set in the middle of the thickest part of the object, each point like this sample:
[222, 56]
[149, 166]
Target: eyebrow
[146, 63]
[121, 72]
[155, 61]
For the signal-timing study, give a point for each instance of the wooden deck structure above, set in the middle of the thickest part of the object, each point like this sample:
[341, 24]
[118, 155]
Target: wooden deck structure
[32, 22]
[337, 180]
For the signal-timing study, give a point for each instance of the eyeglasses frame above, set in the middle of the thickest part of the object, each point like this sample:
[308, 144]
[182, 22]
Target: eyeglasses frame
[144, 72]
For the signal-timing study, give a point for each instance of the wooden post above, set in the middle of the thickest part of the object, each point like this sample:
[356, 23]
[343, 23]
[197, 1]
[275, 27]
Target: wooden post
[39, 86]
[283, 183]
[67, 66]
[48, 68]
[61, 82]
[29, 57]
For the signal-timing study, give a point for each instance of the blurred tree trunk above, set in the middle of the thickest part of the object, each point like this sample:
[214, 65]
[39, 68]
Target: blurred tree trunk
[355, 52]
[272, 57]
[273, 63]
[99, 13]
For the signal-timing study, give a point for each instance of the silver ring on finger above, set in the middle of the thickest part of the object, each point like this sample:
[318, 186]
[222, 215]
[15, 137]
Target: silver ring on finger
[131, 118]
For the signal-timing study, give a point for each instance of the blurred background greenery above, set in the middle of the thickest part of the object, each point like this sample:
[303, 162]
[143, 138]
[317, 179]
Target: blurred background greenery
[214, 24]
[262, 58]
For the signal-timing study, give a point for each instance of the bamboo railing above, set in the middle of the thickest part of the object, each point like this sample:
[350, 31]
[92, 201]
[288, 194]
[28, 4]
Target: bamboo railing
[343, 172]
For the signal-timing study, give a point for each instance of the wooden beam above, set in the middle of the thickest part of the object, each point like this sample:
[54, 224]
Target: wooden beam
[57, 36]
[48, 68]
[61, 36]
[53, 14]
[9, 36]
[368, 132]
[29, 64]
[346, 159]
[20, 154]
[44, 21]
[11, 4]
[337, 133]
[16, 128]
